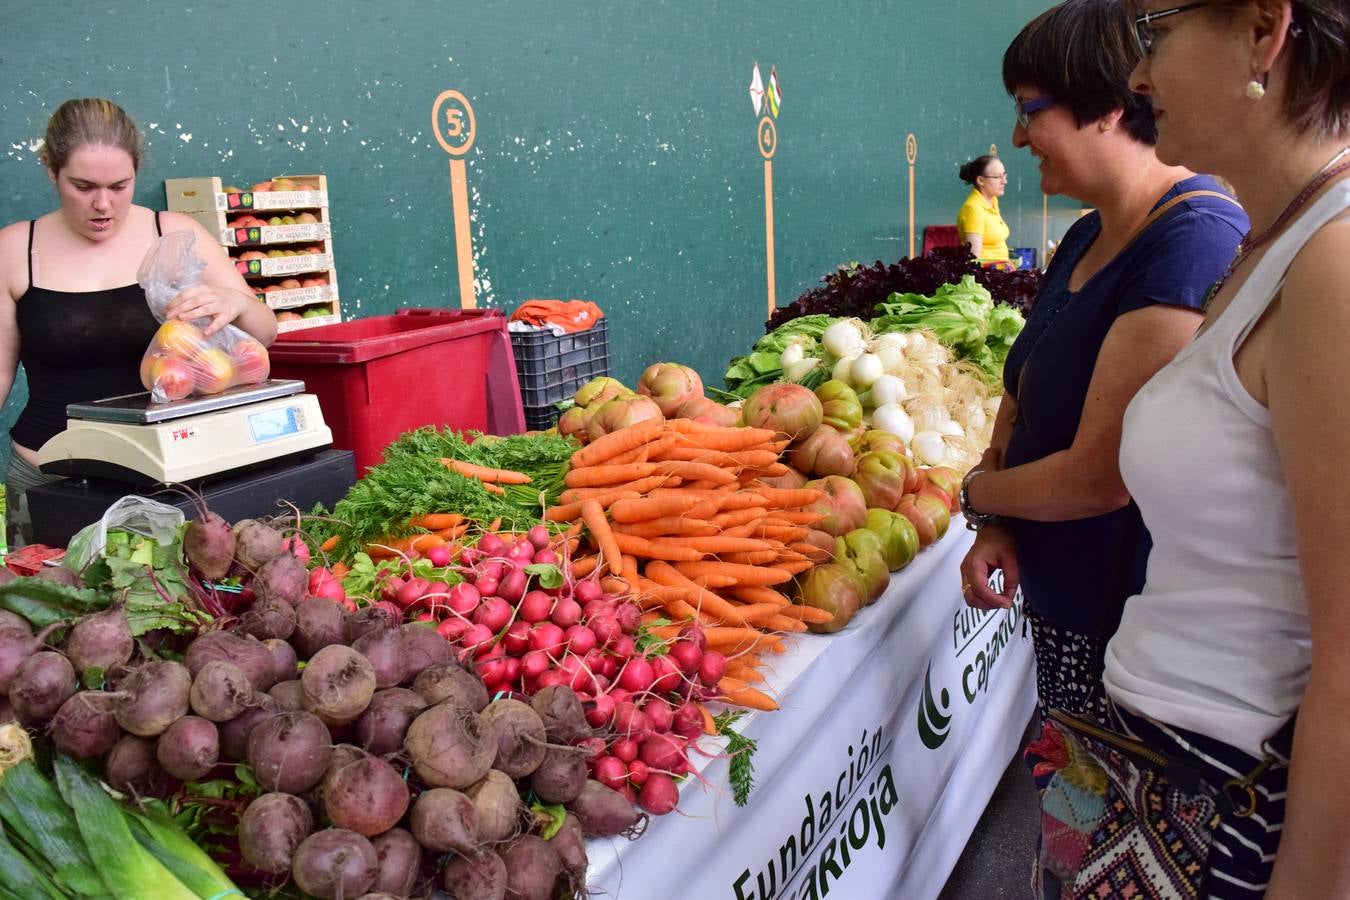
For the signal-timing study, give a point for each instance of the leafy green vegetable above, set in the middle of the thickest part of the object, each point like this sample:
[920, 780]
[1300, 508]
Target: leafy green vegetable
[741, 751]
[148, 577]
[763, 365]
[412, 481]
[549, 576]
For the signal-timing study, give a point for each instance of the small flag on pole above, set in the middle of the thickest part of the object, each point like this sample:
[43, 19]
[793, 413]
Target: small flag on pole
[773, 94]
[757, 91]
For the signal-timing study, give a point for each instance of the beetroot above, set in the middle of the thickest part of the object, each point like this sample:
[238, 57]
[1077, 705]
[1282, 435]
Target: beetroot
[335, 863]
[570, 845]
[13, 621]
[561, 712]
[365, 620]
[383, 649]
[603, 811]
[451, 746]
[422, 647]
[497, 807]
[283, 659]
[220, 691]
[209, 545]
[16, 645]
[102, 640]
[445, 820]
[249, 654]
[152, 697]
[520, 737]
[318, 624]
[400, 859]
[255, 543]
[532, 868]
[289, 752]
[453, 683]
[234, 733]
[366, 796]
[83, 727]
[383, 726]
[283, 578]
[289, 695]
[60, 575]
[271, 829]
[189, 748]
[270, 618]
[44, 681]
[337, 684]
[131, 767]
[560, 776]
[481, 877]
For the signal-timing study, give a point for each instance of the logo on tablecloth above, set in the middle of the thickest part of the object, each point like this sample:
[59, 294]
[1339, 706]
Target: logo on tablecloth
[854, 806]
[988, 630]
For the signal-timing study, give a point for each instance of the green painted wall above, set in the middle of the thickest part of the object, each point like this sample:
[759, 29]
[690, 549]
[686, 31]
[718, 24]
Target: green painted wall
[615, 158]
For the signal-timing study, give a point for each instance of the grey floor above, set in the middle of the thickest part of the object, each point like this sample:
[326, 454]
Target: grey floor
[997, 860]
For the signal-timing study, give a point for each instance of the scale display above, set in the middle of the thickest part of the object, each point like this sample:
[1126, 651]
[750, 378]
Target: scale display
[270, 424]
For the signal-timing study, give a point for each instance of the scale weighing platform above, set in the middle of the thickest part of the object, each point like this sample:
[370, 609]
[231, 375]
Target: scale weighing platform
[130, 439]
[243, 450]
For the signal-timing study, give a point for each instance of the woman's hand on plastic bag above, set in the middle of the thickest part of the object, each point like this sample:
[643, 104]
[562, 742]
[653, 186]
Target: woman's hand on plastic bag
[206, 301]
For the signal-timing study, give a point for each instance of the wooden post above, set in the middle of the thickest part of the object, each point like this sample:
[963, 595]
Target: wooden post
[453, 123]
[911, 154]
[768, 143]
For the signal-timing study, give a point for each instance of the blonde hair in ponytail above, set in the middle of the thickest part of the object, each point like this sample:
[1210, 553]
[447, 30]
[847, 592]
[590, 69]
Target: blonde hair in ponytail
[89, 121]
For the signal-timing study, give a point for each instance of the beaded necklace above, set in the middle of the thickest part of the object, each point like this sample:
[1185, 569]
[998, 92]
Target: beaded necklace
[1248, 244]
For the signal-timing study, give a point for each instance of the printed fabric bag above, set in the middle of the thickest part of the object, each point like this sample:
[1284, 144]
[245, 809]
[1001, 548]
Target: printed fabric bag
[1120, 819]
[1111, 823]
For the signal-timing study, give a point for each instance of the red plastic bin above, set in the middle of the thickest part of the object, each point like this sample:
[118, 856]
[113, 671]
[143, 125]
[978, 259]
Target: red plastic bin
[380, 376]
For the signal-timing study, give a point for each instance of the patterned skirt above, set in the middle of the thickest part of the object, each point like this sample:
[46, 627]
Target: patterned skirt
[1068, 670]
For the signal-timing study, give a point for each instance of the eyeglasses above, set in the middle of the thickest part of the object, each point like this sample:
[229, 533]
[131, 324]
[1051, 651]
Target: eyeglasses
[1003, 177]
[1028, 108]
[1145, 35]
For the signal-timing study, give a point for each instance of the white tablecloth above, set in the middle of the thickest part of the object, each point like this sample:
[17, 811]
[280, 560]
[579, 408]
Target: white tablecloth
[891, 738]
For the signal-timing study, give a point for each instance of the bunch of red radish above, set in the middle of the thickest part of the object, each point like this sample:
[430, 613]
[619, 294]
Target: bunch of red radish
[523, 637]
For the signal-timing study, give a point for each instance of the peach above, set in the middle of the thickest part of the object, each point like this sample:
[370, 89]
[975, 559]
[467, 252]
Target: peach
[214, 370]
[178, 338]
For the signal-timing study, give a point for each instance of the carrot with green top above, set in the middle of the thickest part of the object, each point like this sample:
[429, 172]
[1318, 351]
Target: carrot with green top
[638, 486]
[602, 535]
[436, 521]
[571, 510]
[652, 507]
[596, 476]
[616, 442]
[648, 548]
[761, 575]
[483, 473]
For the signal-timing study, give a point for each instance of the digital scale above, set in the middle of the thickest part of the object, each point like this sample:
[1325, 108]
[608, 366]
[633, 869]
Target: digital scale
[130, 439]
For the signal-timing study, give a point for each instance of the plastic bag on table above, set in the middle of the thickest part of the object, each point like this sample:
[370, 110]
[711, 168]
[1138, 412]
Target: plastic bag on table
[181, 361]
[136, 515]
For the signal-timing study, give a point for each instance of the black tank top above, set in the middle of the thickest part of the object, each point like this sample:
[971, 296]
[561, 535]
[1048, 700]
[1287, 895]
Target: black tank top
[77, 346]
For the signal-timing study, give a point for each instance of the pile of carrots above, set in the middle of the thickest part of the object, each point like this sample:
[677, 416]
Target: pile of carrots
[676, 512]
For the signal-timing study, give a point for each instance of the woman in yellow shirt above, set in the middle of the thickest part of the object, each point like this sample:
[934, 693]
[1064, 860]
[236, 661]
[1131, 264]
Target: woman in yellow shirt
[979, 222]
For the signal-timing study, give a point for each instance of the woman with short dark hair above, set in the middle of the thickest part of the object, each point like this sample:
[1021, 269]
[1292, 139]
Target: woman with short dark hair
[979, 222]
[1120, 298]
[1235, 452]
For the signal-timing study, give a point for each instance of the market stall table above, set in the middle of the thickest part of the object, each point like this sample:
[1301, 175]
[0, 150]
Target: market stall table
[891, 737]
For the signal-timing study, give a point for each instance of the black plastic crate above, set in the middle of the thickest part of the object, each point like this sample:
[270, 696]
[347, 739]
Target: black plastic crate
[541, 418]
[551, 368]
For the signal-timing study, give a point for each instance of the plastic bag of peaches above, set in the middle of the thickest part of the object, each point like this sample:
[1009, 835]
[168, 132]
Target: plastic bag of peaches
[181, 361]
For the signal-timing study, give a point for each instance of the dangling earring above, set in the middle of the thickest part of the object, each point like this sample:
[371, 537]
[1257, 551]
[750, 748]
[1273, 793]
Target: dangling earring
[1256, 88]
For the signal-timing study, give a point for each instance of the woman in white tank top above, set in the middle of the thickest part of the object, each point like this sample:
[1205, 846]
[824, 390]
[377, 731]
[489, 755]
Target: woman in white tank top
[1235, 452]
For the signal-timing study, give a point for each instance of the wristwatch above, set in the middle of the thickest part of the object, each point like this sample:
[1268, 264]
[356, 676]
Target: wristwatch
[974, 520]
